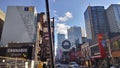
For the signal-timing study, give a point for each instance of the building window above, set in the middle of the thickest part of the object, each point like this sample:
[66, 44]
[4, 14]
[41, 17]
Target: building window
[26, 9]
[93, 8]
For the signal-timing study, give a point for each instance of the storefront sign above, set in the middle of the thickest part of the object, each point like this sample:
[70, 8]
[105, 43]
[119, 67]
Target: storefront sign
[101, 44]
[17, 52]
[95, 51]
[20, 52]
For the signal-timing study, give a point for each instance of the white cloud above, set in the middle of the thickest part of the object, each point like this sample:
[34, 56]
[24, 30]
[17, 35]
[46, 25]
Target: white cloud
[67, 16]
[62, 28]
[63, 18]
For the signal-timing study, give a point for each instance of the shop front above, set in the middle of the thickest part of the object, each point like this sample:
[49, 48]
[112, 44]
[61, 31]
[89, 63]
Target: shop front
[96, 57]
[115, 49]
[116, 56]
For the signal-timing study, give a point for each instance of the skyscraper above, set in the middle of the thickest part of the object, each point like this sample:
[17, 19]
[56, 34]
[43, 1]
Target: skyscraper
[75, 35]
[95, 22]
[113, 15]
[20, 25]
[61, 38]
[2, 20]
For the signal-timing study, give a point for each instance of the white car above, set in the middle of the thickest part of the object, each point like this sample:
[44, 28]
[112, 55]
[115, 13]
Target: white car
[57, 65]
[73, 65]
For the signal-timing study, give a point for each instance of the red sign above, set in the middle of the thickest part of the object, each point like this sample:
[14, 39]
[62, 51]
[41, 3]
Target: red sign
[72, 56]
[75, 54]
[101, 46]
[79, 53]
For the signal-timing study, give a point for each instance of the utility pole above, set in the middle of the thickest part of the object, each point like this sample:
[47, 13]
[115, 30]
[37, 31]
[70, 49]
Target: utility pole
[49, 30]
[53, 30]
[52, 36]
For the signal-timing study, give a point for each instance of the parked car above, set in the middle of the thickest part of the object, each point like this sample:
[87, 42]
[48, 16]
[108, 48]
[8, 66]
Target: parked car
[73, 65]
[57, 65]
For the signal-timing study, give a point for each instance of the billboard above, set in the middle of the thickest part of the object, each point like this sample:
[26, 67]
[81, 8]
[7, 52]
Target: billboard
[102, 44]
[66, 44]
[17, 52]
[20, 52]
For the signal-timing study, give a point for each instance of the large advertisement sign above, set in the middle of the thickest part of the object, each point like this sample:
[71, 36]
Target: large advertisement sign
[101, 43]
[20, 52]
[66, 44]
[17, 52]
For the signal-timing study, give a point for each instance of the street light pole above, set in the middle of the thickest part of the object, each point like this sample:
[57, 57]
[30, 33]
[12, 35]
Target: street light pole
[49, 30]
[52, 36]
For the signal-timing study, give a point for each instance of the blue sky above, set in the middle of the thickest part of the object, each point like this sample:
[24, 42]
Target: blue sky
[66, 12]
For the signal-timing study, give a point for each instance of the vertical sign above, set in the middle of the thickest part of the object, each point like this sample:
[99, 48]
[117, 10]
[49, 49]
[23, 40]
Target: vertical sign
[101, 45]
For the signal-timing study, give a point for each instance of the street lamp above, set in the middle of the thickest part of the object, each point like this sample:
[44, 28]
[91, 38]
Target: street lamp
[3, 60]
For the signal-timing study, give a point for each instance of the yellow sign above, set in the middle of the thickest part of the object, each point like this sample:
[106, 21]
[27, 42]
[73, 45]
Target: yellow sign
[31, 9]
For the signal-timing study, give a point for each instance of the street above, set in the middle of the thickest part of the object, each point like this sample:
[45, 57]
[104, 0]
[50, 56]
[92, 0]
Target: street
[63, 66]
[66, 66]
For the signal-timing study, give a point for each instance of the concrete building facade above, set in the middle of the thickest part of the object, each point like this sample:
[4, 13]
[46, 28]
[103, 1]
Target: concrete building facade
[20, 25]
[2, 19]
[113, 16]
